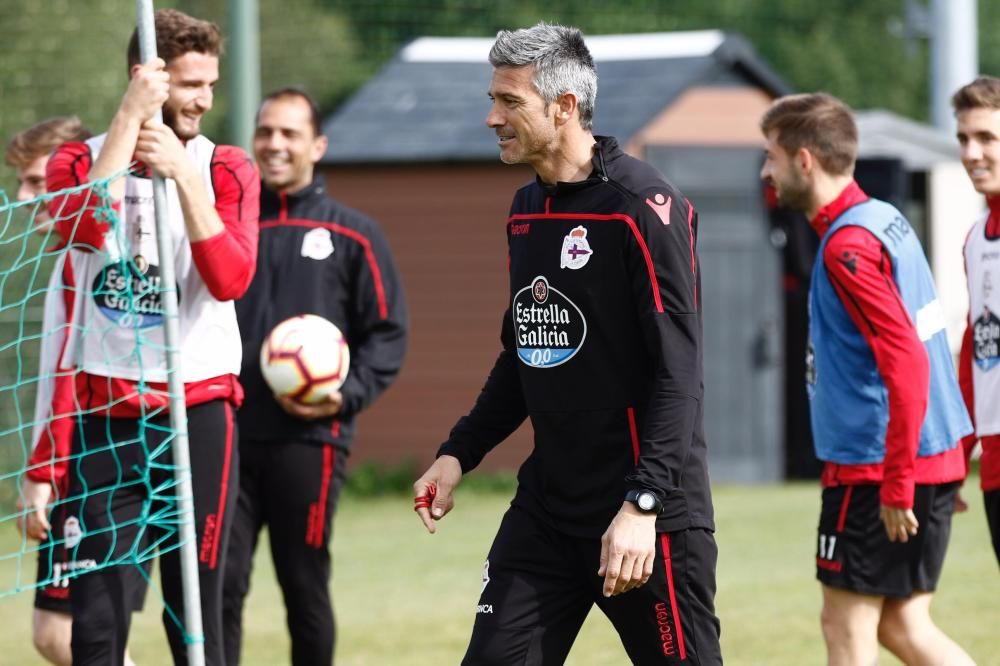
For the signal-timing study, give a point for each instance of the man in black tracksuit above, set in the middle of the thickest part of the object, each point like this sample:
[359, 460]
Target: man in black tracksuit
[319, 257]
[602, 350]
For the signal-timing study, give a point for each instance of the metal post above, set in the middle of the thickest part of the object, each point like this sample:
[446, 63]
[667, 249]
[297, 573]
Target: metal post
[175, 385]
[244, 70]
[954, 55]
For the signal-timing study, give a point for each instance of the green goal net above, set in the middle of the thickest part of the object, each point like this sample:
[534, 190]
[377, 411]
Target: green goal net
[44, 407]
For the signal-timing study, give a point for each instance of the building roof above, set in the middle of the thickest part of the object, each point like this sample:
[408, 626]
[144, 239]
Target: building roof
[884, 134]
[430, 103]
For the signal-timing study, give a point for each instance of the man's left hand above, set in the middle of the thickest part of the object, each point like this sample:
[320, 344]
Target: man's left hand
[160, 149]
[628, 548]
[329, 406]
[900, 524]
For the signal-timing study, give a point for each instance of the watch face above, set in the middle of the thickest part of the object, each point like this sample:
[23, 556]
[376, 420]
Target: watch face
[646, 501]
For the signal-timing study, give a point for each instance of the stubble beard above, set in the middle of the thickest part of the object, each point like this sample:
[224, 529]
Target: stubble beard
[795, 194]
[170, 120]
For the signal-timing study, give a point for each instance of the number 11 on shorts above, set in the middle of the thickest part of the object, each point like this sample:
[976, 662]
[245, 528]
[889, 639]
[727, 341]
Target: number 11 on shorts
[826, 546]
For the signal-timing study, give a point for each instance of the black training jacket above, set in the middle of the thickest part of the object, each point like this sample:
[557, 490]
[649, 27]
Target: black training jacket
[317, 256]
[601, 350]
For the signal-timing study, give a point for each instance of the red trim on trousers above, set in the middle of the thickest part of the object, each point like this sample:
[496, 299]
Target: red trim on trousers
[607, 218]
[667, 565]
[383, 308]
[842, 519]
[634, 432]
[316, 519]
[220, 514]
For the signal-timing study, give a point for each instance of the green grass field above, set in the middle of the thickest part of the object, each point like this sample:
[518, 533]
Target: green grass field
[405, 598]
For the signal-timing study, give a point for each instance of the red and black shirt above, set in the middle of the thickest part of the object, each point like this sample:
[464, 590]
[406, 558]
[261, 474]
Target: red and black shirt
[860, 271]
[601, 350]
[317, 256]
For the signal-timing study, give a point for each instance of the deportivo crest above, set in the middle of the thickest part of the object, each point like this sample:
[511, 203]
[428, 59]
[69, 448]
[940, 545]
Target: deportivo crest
[986, 340]
[549, 329]
[317, 244]
[72, 532]
[576, 250]
[486, 576]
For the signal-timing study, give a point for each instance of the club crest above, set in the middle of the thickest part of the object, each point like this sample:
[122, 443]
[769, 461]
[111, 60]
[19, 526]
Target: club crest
[576, 250]
[72, 534]
[317, 244]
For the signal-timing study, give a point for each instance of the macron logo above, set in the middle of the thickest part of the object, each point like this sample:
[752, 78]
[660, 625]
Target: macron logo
[660, 206]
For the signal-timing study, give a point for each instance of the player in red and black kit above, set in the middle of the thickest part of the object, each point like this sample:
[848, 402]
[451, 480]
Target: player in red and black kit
[122, 474]
[319, 257]
[602, 351]
[885, 407]
[45, 484]
[977, 109]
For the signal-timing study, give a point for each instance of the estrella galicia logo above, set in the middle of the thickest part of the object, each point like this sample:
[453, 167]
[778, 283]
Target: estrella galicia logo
[548, 327]
[986, 340]
[129, 293]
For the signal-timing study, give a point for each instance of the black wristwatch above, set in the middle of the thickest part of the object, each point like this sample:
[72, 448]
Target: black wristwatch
[645, 500]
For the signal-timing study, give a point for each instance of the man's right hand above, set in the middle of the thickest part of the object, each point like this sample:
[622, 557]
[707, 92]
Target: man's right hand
[35, 498]
[443, 476]
[147, 91]
[329, 406]
[900, 524]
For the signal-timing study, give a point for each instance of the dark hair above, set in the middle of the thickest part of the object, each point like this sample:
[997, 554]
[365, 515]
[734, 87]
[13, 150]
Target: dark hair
[819, 122]
[300, 93]
[42, 138]
[984, 92]
[177, 34]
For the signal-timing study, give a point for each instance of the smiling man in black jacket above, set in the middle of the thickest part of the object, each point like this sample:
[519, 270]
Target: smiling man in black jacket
[318, 257]
[602, 351]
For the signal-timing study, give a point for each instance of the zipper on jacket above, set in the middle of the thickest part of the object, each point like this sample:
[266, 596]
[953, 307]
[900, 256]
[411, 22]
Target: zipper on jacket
[282, 206]
[604, 168]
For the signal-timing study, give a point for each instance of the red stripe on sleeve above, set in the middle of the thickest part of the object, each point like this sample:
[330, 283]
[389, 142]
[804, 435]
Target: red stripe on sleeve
[50, 458]
[69, 167]
[861, 273]
[694, 260]
[227, 260]
[634, 433]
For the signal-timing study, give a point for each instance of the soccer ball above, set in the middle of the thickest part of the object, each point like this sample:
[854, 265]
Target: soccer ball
[305, 358]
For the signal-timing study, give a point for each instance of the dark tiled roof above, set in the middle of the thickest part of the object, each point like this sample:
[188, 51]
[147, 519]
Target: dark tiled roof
[429, 104]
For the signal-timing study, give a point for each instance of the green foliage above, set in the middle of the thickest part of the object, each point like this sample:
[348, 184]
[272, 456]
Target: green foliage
[371, 479]
[68, 57]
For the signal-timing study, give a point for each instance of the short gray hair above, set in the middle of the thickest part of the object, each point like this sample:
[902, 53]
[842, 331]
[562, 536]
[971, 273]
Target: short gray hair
[561, 60]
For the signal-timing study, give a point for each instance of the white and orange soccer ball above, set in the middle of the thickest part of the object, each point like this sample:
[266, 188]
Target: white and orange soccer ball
[305, 358]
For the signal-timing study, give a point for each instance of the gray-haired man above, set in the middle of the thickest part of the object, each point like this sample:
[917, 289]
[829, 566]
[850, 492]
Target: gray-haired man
[602, 350]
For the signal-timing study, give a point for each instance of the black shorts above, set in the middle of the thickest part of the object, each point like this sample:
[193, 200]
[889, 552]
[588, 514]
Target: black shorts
[539, 585]
[991, 498]
[56, 566]
[52, 591]
[854, 553]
